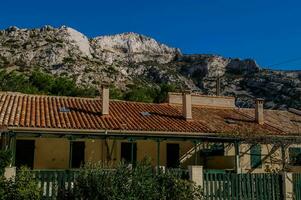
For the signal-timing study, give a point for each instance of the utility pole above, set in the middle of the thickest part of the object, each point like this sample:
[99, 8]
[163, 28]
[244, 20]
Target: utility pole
[218, 85]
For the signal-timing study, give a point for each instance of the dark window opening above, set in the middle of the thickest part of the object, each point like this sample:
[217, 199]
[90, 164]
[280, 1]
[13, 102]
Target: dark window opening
[256, 161]
[78, 154]
[25, 153]
[295, 156]
[126, 152]
[172, 155]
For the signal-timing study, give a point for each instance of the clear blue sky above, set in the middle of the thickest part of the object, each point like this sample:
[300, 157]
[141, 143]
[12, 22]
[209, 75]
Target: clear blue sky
[266, 30]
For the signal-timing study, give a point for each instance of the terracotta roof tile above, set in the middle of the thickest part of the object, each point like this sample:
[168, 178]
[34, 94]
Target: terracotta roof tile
[22, 110]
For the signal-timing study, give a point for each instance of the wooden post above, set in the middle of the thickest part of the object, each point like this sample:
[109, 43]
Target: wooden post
[283, 157]
[158, 155]
[70, 153]
[132, 153]
[195, 153]
[287, 186]
[237, 160]
[13, 149]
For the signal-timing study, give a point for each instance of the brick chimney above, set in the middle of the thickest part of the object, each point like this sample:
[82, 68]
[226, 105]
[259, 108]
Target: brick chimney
[105, 99]
[259, 118]
[187, 105]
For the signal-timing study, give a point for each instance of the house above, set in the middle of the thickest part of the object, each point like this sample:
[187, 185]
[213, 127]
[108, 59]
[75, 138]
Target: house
[54, 132]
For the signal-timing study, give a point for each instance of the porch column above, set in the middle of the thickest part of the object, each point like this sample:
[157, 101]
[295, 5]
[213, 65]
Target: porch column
[237, 160]
[195, 152]
[70, 151]
[283, 157]
[287, 186]
[196, 174]
[132, 153]
[158, 155]
[13, 143]
[3, 136]
[131, 140]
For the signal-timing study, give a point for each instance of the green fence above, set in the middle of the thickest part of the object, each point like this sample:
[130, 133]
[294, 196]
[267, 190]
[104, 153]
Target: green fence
[222, 186]
[297, 186]
[242, 186]
[55, 182]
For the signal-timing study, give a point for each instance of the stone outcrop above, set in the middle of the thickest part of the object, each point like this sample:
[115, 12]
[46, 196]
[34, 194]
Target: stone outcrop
[131, 58]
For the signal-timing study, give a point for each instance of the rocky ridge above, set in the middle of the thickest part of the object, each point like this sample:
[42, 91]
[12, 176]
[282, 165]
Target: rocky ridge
[131, 58]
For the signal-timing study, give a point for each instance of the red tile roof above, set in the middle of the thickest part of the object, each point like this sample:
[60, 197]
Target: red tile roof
[39, 111]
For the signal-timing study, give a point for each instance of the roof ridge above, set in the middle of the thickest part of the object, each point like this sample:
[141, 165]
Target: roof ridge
[42, 95]
[73, 97]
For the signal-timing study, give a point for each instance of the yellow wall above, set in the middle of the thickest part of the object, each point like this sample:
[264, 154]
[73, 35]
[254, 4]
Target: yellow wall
[53, 153]
[271, 161]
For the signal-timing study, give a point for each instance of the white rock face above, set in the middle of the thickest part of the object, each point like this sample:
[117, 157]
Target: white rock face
[80, 40]
[132, 47]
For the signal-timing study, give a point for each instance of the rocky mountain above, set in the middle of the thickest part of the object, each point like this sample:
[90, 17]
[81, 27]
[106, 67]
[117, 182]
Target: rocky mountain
[129, 58]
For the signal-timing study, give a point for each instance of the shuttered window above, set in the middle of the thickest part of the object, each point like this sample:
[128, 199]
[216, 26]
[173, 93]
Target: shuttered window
[256, 156]
[295, 156]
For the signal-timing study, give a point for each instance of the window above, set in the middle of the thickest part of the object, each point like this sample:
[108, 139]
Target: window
[256, 156]
[172, 155]
[295, 156]
[126, 152]
[77, 154]
[25, 153]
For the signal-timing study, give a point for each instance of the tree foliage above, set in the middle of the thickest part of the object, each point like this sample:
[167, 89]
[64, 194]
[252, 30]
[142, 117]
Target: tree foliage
[140, 93]
[141, 182]
[23, 187]
[38, 82]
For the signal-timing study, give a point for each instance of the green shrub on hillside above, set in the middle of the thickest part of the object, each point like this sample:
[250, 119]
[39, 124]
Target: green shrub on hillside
[41, 83]
[38, 82]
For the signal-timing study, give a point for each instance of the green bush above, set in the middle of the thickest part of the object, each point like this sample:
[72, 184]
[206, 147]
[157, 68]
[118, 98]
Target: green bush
[141, 182]
[23, 187]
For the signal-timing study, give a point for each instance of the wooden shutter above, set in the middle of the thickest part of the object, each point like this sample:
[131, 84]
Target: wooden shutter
[256, 156]
[294, 156]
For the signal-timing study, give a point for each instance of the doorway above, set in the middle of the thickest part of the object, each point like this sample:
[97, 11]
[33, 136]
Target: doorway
[126, 152]
[78, 154]
[172, 155]
[25, 153]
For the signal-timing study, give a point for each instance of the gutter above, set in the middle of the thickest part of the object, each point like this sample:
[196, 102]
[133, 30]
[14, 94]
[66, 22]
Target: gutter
[144, 134]
[120, 133]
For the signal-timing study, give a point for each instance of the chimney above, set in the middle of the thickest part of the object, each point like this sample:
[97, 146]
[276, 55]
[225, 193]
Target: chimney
[259, 111]
[187, 108]
[105, 99]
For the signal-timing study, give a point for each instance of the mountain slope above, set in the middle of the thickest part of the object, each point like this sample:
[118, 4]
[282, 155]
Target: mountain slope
[131, 59]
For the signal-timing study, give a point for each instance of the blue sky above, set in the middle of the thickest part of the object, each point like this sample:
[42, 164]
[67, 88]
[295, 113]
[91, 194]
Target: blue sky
[266, 30]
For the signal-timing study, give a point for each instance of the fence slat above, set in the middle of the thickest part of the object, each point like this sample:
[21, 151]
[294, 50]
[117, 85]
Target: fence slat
[244, 186]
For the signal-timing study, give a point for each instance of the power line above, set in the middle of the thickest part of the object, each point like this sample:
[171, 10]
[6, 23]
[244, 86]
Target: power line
[285, 62]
